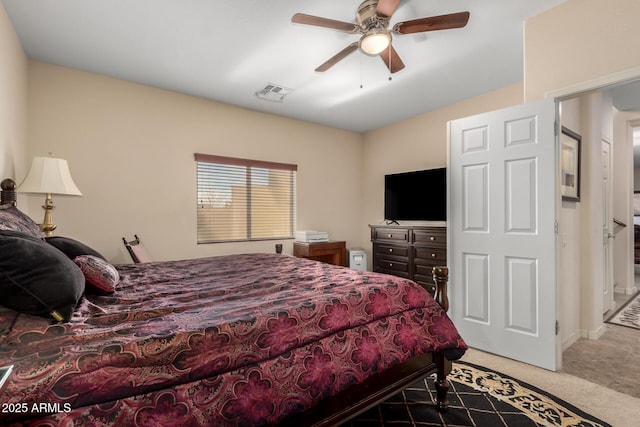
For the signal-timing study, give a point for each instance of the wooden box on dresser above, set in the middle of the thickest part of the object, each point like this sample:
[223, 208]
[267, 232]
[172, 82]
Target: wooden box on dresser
[409, 251]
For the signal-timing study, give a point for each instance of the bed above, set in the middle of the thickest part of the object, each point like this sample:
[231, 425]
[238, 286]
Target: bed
[237, 340]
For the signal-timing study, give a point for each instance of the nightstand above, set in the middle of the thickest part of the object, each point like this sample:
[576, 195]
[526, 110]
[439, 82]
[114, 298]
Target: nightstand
[332, 252]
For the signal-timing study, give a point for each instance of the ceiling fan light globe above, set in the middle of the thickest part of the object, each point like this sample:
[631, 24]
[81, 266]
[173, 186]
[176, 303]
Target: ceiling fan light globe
[374, 43]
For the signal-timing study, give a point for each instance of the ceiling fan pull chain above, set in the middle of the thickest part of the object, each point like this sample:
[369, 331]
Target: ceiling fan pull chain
[361, 74]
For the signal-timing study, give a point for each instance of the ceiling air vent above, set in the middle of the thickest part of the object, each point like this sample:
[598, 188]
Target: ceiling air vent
[273, 93]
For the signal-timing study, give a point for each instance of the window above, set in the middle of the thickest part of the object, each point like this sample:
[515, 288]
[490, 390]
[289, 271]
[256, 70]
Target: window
[240, 199]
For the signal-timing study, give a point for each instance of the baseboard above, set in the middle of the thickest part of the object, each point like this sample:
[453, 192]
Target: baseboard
[593, 334]
[570, 340]
[626, 291]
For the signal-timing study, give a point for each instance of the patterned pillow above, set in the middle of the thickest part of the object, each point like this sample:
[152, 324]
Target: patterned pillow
[12, 219]
[100, 276]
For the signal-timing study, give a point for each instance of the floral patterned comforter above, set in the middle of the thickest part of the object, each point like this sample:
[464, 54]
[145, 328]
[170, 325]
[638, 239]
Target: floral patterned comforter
[233, 340]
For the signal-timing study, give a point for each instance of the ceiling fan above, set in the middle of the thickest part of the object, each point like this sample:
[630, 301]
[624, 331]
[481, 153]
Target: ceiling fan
[372, 21]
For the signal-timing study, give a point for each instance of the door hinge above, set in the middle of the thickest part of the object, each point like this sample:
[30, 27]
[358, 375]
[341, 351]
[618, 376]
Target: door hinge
[557, 327]
[555, 227]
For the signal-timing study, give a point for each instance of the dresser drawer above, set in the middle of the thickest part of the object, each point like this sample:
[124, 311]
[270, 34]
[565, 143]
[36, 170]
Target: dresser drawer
[437, 255]
[425, 271]
[430, 237]
[396, 234]
[392, 266]
[391, 250]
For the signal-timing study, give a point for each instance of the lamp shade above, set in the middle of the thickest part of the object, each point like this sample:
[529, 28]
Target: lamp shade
[49, 175]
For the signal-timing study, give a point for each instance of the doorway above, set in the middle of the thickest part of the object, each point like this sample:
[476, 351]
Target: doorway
[591, 341]
[603, 118]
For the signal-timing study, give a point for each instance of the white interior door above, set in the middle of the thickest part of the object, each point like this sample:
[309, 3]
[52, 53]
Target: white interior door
[607, 229]
[501, 227]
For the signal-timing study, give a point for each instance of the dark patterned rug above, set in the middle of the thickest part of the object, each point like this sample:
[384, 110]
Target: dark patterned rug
[477, 397]
[629, 314]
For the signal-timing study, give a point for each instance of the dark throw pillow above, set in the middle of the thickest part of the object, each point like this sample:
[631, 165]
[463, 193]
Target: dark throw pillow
[72, 248]
[100, 276]
[36, 278]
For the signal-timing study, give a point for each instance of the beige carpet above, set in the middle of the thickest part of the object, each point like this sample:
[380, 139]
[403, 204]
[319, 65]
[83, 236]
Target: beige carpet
[618, 349]
[619, 410]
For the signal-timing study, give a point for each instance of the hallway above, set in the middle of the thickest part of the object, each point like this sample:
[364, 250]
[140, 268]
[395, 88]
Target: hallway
[612, 360]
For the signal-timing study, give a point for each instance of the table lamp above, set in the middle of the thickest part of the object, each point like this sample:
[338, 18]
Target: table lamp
[49, 175]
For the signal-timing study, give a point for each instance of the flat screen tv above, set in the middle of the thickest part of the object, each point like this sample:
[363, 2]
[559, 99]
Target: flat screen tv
[416, 196]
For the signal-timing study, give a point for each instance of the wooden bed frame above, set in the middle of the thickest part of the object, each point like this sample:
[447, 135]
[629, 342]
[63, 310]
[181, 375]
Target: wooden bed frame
[349, 403]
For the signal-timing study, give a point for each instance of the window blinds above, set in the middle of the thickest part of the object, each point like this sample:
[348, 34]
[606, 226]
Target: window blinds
[242, 199]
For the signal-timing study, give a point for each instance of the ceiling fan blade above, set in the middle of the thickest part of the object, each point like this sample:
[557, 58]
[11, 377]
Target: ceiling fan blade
[302, 18]
[338, 57]
[432, 23]
[386, 8]
[392, 59]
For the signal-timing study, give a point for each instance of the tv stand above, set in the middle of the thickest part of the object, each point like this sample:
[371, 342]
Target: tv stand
[409, 251]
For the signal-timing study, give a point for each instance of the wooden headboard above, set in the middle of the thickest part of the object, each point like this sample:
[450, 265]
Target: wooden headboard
[8, 193]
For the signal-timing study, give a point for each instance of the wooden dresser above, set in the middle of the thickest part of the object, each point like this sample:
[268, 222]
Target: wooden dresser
[409, 251]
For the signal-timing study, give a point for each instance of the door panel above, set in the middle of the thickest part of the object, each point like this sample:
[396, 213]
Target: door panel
[522, 287]
[521, 178]
[476, 288]
[475, 197]
[502, 201]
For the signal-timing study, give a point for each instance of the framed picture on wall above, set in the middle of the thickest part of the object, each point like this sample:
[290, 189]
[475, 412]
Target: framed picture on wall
[570, 164]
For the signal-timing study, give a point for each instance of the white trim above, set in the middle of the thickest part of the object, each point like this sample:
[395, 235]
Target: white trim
[593, 334]
[571, 340]
[626, 291]
[597, 83]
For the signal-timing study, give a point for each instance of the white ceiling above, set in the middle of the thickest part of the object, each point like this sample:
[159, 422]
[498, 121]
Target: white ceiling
[626, 97]
[226, 50]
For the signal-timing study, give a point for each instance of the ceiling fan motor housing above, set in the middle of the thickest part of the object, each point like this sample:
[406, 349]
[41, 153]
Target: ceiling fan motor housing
[375, 36]
[367, 17]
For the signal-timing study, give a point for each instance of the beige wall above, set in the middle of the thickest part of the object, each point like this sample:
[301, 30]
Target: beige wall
[121, 138]
[130, 150]
[579, 41]
[581, 45]
[570, 244]
[13, 101]
[417, 143]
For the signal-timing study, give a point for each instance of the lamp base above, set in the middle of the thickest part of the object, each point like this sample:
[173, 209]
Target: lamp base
[47, 225]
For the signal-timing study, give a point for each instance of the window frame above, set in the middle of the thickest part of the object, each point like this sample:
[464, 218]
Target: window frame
[249, 164]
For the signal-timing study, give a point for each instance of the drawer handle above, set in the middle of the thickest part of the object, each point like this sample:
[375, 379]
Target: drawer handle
[432, 238]
[390, 264]
[433, 255]
[389, 235]
[390, 249]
